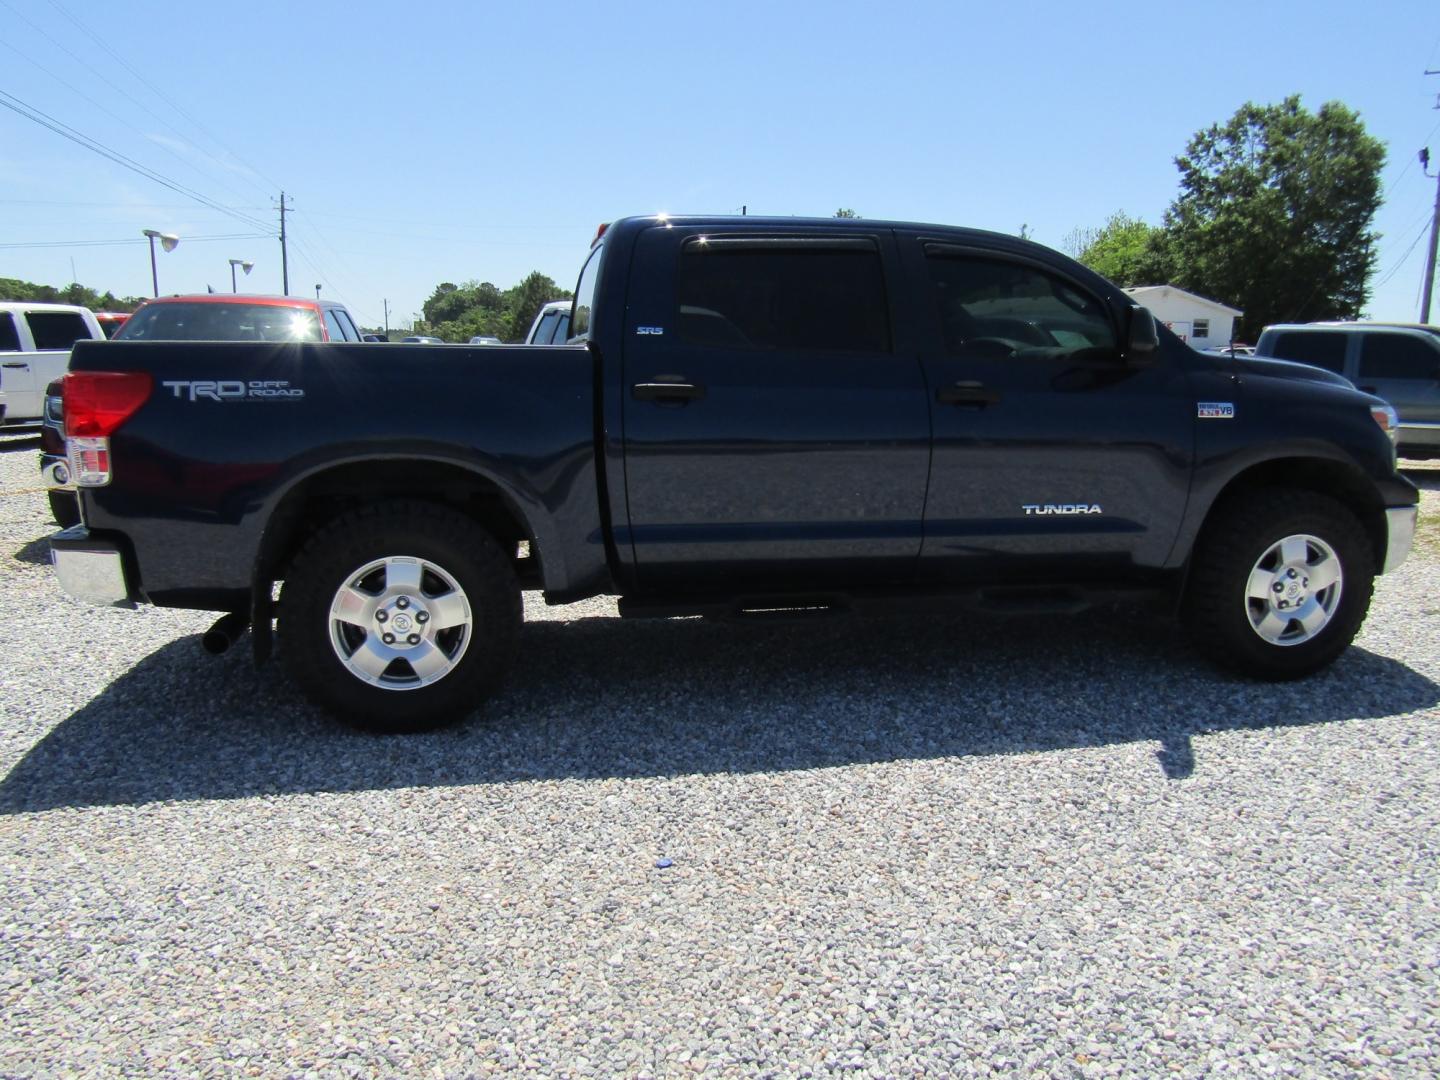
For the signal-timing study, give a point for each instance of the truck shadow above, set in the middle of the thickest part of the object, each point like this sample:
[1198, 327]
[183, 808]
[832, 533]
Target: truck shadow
[36, 552]
[601, 697]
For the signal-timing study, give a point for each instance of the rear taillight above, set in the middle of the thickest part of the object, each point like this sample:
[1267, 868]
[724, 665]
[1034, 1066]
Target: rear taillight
[98, 402]
[95, 404]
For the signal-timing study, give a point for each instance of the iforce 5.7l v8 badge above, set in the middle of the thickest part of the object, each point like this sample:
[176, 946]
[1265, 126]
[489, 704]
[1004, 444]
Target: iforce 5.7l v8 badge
[1215, 410]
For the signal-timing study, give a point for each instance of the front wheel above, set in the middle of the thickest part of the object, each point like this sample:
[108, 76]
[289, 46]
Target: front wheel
[403, 617]
[1280, 584]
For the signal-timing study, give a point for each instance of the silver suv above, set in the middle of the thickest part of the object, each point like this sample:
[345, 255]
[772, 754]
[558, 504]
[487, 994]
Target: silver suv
[1399, 362]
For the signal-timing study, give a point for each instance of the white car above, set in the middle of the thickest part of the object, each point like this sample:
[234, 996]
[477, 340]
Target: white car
[35, 342]
[485, 339]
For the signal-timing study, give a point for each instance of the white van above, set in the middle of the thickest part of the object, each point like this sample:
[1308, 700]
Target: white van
[35, 342]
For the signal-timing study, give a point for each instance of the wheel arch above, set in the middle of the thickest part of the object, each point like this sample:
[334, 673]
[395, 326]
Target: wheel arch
[1340, 480]
[314, 499]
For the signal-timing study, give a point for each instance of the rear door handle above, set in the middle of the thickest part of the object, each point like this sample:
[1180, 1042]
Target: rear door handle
[17, 364]
[671, 389]
[1368, 389]
[967, 393]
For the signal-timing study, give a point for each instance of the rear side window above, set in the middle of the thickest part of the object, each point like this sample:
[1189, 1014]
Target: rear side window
[1321, 348]
[821, 295]
[9, 339]
[346, 326]
[994, 308]
[1397, 356]
[56, 329]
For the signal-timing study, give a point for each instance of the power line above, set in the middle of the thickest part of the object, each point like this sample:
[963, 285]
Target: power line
[117, 89]
[1408, 251]
[1409, 162]
[104, 45]
[30, 112]
[128, 242]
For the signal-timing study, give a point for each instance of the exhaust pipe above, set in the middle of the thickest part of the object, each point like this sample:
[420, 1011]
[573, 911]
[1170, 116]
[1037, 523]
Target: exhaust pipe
[225, 632]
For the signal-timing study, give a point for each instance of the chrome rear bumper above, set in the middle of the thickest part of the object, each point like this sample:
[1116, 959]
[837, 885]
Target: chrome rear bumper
[90, 569]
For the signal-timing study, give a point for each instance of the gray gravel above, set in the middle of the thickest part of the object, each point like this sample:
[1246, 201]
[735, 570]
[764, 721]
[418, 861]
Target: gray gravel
[943, 847]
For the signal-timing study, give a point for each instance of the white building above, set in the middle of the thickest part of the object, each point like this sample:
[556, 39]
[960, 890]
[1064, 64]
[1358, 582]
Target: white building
[1203, 323]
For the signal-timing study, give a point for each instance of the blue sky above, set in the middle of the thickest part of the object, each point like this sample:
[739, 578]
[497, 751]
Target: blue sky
[458, 141]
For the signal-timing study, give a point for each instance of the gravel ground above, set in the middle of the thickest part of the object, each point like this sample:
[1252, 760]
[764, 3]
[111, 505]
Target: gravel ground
[943, 847]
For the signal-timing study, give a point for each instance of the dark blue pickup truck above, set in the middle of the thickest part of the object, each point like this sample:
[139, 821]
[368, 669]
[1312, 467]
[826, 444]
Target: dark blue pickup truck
[752, 415]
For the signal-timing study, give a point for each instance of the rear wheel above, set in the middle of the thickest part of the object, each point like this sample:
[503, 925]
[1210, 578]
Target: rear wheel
[403, 617]
[1280, 585]
[64, 508]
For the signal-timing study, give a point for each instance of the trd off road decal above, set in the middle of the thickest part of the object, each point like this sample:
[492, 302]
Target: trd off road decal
[234, 390]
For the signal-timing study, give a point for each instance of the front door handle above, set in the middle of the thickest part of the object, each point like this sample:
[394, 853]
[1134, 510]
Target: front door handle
[1367, 389]
[667, 389]
[967, 393]
[17, 364]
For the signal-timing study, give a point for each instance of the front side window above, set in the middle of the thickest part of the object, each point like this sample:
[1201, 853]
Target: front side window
[1321, 348]
[332, 326]
[1398, 356]
[993, 308]
[56, 329]
[585, 296]
[9, 339]
[821, 295]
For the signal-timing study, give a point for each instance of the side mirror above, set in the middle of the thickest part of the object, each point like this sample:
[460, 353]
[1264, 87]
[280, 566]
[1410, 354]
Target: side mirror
[1144, 337]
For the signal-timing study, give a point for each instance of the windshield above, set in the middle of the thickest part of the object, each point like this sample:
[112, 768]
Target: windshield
[221, 322]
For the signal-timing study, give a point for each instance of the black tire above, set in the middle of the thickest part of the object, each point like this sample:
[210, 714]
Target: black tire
[440, 539]
[64, 508]
[1217, 610]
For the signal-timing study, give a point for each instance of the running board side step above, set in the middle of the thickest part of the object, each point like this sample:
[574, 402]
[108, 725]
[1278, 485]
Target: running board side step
[997, 600]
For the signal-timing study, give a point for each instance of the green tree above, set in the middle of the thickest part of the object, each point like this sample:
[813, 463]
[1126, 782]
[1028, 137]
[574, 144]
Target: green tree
[15, 289]
[846, 212]
[1124, 249]
[478, 308]
[1274, 213]
[529, 297]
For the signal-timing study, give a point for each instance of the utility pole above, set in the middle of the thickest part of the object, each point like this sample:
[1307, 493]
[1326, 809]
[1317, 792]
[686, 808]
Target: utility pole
[1429, 286]
[1434, 228]
[387, 317]
[284, 252]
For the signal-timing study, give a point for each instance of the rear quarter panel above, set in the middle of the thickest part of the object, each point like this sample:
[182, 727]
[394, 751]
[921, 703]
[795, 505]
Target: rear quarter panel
[198, 479]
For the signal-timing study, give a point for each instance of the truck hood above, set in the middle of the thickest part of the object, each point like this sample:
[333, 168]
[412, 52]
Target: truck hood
[1283, 369]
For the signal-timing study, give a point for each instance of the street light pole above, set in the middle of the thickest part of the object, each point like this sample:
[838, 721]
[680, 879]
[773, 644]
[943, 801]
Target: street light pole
[168, 241]
[317, 290]
[245, 265]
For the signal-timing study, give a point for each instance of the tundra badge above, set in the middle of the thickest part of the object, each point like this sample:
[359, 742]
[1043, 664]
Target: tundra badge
[1043, 509]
